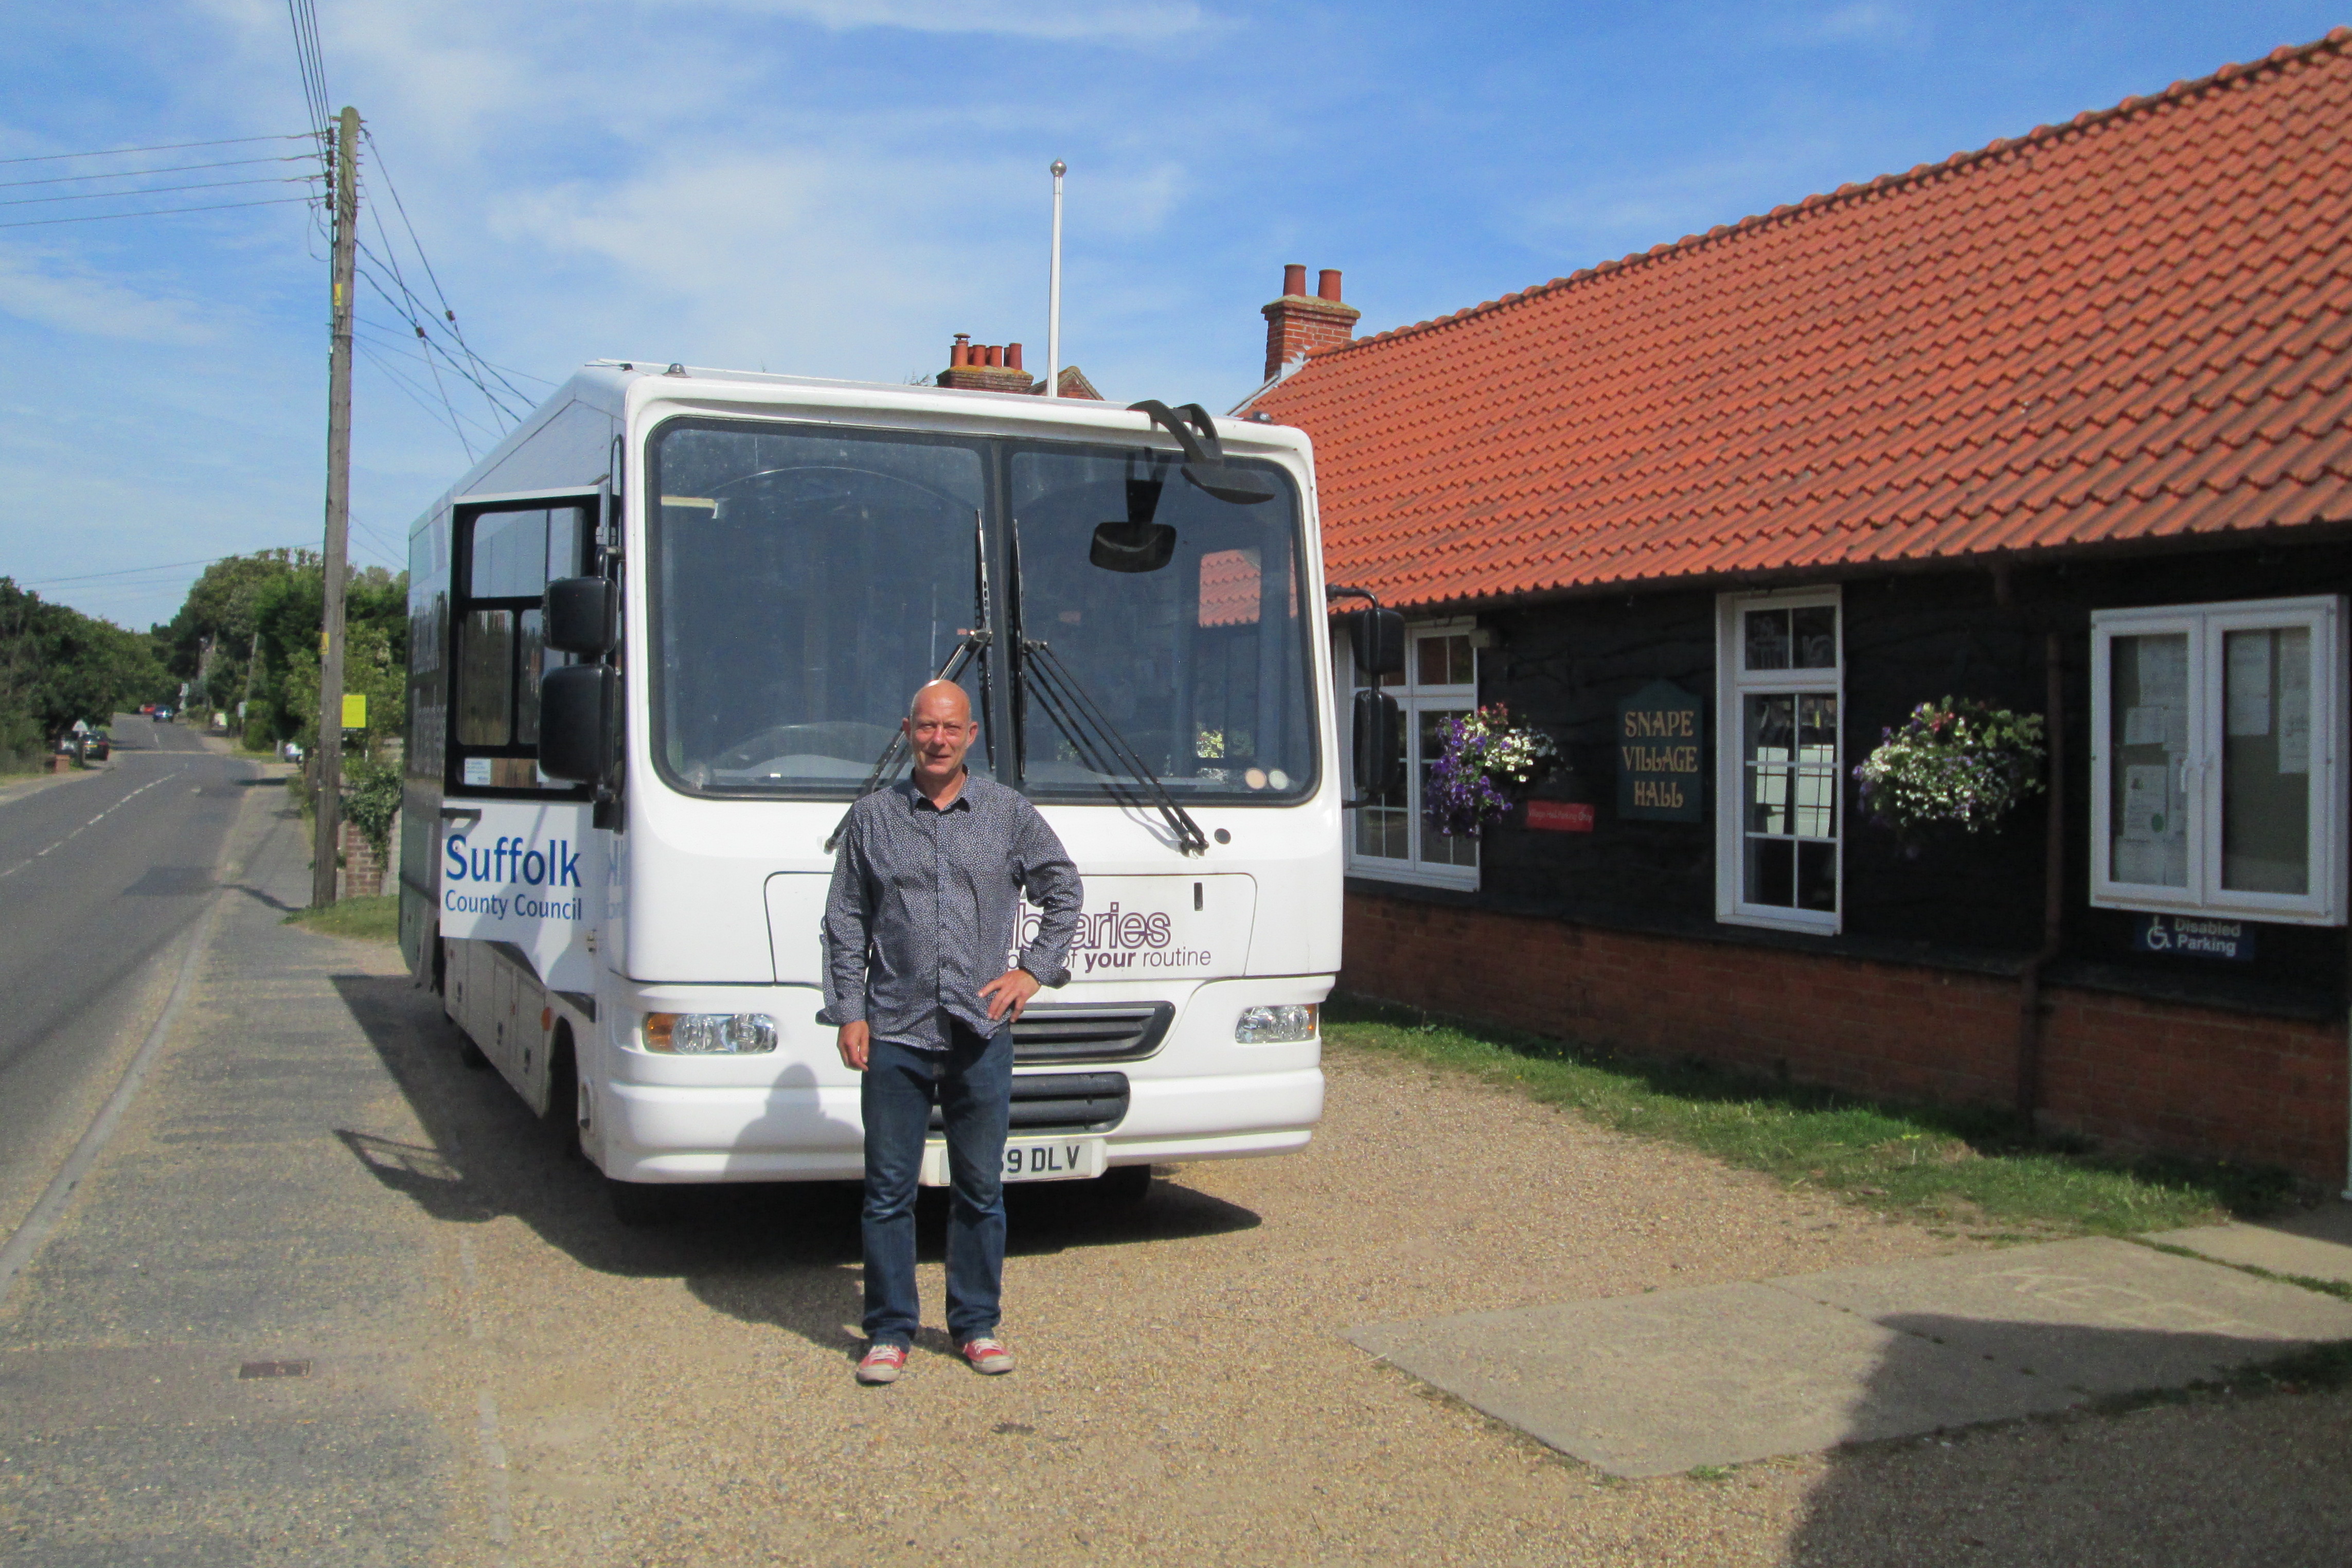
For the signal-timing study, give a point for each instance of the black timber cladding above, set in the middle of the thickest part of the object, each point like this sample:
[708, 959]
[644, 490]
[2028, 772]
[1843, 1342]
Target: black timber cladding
[1965, 902]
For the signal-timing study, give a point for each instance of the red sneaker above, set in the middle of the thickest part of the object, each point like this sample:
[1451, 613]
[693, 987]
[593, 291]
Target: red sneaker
[882, 1363]
[986, 1354]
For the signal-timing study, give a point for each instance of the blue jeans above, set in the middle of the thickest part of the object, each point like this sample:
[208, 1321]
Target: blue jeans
[972, 1082]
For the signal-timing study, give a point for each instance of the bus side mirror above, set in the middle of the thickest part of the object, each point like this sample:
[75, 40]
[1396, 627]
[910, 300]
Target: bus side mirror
[578, 614]
[1379, 640]
[1380, 745]
[576, 704]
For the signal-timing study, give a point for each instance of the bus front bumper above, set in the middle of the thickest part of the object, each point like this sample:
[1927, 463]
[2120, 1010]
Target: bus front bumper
[808, 1132]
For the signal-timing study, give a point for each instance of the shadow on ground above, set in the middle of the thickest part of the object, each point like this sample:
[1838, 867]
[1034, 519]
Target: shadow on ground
[783, 1254]
[2195, 1476]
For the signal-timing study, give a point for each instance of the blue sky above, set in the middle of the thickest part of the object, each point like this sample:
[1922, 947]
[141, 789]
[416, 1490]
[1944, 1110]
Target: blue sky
[837, 186]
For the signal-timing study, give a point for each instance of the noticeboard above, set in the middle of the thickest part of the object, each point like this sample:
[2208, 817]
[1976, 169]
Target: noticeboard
[354, 710]
[1661, 750]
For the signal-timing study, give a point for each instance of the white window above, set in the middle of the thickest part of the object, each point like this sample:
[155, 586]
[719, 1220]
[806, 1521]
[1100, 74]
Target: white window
[1390, 838]
[1779, 759]
[2213, 754]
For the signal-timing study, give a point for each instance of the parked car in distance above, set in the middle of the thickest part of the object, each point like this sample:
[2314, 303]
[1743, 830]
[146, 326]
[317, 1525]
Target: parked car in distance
[96, 746]
[146, 708]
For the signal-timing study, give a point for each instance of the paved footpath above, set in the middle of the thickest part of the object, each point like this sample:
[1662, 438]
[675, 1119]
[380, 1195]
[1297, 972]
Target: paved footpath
[216, 1356]
[1669, 1381]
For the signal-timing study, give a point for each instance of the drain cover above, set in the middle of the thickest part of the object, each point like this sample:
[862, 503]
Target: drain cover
[274, 1369]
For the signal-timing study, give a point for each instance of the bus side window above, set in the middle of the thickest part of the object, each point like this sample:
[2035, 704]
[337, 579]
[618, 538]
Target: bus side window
[506, 560]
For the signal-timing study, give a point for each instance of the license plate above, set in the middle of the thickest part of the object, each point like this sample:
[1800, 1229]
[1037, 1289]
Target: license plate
[1031, 1159]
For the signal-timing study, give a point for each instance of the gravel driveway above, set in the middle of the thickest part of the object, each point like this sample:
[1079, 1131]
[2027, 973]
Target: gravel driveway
[683, 1397]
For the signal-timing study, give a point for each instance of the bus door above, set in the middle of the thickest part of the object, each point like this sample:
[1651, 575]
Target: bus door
[518, 860]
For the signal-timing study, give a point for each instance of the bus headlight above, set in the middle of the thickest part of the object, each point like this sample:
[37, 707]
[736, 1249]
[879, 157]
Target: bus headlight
[1275, 1025]
[710, 1033]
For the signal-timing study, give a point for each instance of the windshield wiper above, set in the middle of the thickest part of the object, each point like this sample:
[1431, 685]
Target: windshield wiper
[1099, 744]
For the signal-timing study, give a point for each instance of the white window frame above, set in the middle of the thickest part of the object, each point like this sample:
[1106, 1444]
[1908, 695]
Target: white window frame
[1734, 682]
[2205, 626]
[1411, 699]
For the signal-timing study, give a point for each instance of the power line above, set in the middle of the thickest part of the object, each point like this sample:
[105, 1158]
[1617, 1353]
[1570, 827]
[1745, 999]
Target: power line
[408, 312]
[434, 278]
[167, 169]
[429, 346]
[375, 211]
[157, 190]
[454, 330]
[164, 566]
[304, 16]
[159, 147]
[393, 552]
[158, 212]
[419, 316]
[444, 416]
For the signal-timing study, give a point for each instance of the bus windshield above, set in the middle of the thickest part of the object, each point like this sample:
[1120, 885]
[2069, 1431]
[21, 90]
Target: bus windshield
[1177, 613]
[804, 584]
[805, 581]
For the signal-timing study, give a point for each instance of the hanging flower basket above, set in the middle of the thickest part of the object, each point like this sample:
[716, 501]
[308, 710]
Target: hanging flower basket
[1483, 766]
[1953, 763]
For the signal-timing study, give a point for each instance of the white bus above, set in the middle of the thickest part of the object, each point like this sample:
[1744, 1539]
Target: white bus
[660, 640]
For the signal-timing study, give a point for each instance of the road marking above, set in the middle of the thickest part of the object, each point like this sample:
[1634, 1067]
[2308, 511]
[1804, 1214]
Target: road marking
[94, 821]
[50, 1207]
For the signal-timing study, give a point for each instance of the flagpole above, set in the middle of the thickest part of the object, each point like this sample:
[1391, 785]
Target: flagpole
[1054, 293]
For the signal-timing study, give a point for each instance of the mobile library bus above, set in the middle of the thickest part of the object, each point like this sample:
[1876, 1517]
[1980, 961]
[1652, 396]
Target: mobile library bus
[661, 639]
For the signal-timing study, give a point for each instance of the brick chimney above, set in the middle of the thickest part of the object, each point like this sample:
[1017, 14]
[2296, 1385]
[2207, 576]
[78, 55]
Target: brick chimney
[1299, 324]
[984, 367]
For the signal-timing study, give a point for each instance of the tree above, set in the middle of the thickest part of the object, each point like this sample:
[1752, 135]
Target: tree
[57, 664]
[210, 642]
[287, 612]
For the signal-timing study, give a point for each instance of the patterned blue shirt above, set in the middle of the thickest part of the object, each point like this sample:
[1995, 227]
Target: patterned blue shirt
[925, 909]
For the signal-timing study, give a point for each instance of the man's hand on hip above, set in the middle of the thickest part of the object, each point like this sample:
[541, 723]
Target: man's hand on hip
[1008, 993]
[856, 1045]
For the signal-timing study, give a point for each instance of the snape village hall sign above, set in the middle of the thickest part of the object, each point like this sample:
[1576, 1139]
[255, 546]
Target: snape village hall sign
[1660, 739]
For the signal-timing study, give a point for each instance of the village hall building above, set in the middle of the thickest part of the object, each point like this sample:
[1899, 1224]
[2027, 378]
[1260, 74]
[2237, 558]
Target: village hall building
[2064, 426]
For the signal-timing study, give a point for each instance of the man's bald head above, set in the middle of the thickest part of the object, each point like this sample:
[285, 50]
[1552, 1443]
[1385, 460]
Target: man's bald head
[943, 698]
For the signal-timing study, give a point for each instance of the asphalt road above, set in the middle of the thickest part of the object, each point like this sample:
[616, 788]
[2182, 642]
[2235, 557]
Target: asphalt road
[99, 874]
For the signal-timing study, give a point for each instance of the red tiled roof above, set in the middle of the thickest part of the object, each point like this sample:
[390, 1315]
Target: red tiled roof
[2133, 327]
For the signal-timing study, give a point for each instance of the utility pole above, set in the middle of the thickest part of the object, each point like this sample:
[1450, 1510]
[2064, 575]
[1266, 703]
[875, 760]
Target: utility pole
[328, 776]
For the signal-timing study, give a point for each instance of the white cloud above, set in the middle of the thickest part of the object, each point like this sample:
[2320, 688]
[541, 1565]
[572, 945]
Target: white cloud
[1061, 21]
[1867, 22]
[72, 300]
[814, 260]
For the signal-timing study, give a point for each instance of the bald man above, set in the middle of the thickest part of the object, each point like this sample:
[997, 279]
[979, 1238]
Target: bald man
[922, 918]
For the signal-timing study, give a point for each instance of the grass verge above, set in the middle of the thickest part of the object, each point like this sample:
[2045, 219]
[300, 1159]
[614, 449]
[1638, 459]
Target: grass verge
[1981, 1170]
[366, 920]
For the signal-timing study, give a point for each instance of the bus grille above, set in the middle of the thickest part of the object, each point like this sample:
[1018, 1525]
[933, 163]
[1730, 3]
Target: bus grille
[1068, 1032]
[1063, 1102]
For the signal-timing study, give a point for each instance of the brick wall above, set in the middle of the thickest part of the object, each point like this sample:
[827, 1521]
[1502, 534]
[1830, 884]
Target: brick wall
[361, 875]
[2123, 1069]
